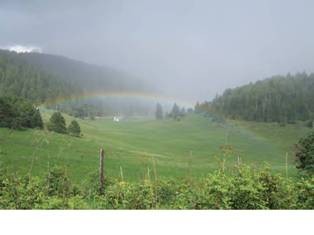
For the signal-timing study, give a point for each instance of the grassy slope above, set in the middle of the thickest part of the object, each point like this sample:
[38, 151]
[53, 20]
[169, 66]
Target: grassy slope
[136, 145]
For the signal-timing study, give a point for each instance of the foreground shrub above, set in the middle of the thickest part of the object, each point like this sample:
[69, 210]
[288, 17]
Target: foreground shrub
[216, 192]
[58, 183]
[245, 188]
[305, 193]
[278, 192]
[305, 154]
[20, 193]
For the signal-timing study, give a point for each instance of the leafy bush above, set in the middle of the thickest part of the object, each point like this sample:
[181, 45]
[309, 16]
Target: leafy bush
[20, 193]
[216, 192]
[58, 183]
[305, 195]
[165, 193]
[17, 113]
[245, 188]
[247, 191]
[305, 154]
[278, 192]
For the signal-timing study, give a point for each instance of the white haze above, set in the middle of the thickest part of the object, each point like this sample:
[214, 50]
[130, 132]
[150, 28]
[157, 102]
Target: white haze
[23, 49]
[190, 49]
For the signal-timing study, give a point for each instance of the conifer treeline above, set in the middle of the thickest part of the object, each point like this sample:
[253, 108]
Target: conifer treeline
[277, 99]
[42, 77]
[18, 78]
[17, 113]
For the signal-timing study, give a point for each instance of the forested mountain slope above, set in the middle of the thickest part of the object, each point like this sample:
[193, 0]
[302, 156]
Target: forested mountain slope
[40, 77]
[87, 76]
[277, 99]
[19, 78]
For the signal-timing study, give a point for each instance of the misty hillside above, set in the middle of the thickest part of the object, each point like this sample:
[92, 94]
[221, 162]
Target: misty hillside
[40, 77]
[19, 78]
[277, 99]
[87, 76]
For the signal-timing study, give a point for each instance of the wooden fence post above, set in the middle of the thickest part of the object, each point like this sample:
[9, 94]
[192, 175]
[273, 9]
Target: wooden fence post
[101, 170]
[286, 164]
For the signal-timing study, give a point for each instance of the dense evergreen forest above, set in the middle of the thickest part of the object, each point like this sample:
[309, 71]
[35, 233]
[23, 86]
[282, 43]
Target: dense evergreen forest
[41, 77]
[38, 76]
[88, 77]
[19, 78]
[283, 99]
[17, 113]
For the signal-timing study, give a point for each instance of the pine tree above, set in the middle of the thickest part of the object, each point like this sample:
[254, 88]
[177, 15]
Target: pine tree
[37, 120]
[305, 154]
[175, 112]
[159, 113]
[74, 129]
[283, 99]
[182, 112]
[57, 123]
[18, 113]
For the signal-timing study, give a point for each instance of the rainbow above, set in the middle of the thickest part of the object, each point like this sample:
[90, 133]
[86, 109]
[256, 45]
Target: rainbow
[146, 96]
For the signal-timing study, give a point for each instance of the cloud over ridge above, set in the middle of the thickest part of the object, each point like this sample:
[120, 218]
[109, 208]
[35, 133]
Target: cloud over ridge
[23, 48]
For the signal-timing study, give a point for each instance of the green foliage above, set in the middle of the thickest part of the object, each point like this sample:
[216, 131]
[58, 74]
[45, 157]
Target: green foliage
[305, 195]
[309, 123]
[20, 78]
[58, 183]
[215, 192]
[276, 192]
[245, 188]
[282, 99]
[305, 154]
[17, 113]
[57, 123]
[43, 78]
[20, 192]
[74, 129]
[165, 193]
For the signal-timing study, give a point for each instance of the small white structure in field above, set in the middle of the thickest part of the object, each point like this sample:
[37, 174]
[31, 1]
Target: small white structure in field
[116, 119]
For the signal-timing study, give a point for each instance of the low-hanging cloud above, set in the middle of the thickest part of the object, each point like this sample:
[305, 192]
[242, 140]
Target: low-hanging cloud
[189, 49]
[23, 48]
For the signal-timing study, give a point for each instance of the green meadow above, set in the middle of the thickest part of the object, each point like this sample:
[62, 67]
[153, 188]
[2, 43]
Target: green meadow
[137, 148]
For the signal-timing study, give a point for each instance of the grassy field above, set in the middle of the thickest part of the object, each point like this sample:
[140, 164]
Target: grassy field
[141, 147]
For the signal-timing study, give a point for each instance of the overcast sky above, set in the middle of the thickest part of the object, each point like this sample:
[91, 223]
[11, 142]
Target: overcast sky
[190, 49]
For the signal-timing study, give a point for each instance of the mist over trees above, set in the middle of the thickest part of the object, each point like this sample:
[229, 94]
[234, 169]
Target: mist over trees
[39, 77]
[159, 112]
[176, 112]
[43, 78]
[87, 77]
[283, 99]
[18, 78]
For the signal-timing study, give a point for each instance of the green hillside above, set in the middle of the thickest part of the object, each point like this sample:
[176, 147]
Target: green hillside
[87, 77]
[191, 147]
[41, 77]
[20, 78]
[283, 99]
